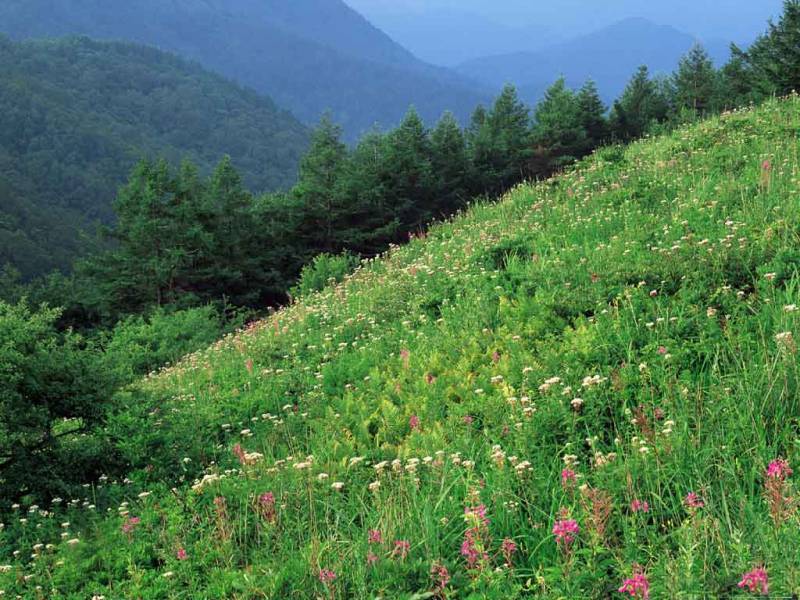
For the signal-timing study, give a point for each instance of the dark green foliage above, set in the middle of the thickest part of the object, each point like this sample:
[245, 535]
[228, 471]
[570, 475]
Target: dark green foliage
[641, 104]
[695, 83]
[325, 269]
[592, 117]
[52, 391]
[771, 65]
[76, 114]
[450, 165]
[500, 143]
[558, 131]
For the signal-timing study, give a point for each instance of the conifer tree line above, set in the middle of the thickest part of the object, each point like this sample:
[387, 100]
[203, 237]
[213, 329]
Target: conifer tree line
[183, 240]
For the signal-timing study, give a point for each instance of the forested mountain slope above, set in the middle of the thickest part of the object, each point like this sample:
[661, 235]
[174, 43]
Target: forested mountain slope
[591, 385]
[308, 55]
[76, 115]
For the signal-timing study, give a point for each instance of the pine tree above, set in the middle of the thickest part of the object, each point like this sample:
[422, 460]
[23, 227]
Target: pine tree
[450, 166]
[641, 104]
[592, 116]
[500, 143]
[319, 186]
[772, 62]
[695, 83]
[410, 182]
[558, 134]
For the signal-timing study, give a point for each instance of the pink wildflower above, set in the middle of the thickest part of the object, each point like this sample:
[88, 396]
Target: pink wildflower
[440, 576]
[468, 419]
[662, 350]
[568, 478]
[371, 558]
[640, 506]
[266, 506]
[374, 536]
[637, 586]
[508, 548]
[130, 524]
[414, 422]
[779, 469]
[181, 554]
[565, 531]
[240, 453]
[401, 548]
[755, 581]
[693, 501]
[326, 576]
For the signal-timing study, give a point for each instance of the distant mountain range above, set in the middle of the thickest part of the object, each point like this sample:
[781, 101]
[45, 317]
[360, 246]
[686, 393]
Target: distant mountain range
[75, 116]
[609, 56]
[308, 55]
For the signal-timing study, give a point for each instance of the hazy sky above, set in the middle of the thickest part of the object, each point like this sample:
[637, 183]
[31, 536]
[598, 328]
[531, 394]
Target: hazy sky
[737, 20]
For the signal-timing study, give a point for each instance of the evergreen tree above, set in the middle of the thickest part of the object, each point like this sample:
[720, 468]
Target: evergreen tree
[409, 182]
[641, 104]
[694, 84]
[772, 63]
[500, 145]
[319, 186]
[450, 165]
[558, 133]
[592, 116]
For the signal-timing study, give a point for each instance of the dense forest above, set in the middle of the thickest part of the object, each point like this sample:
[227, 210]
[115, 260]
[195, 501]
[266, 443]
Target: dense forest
[75, 114]
[279, 48]
[191, 254]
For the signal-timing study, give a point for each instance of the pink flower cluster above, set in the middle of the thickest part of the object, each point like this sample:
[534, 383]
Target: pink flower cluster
[639, 506]
[326, 576]
[473, 548]
[568, 478]
[508, 548]
[637, 586]
[565, 531]
[130, 524]
[401, 548]
[779, 469]
[693, 501]
[755, 581]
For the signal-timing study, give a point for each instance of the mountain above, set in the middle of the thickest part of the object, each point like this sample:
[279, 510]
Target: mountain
[468, 35]
[594, 372]
[308, 55]
[609, 56]
[75, 116]
[733, 20]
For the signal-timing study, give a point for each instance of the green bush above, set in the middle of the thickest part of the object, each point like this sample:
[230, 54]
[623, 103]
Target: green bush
[53, 390]
[323, 270]
[139, 345]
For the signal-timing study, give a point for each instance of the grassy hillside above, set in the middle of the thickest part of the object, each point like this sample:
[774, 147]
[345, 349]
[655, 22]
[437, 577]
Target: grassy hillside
[76, 115]
[591, 381]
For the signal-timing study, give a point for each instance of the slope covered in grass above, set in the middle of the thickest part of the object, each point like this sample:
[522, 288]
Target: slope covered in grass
[581, 384]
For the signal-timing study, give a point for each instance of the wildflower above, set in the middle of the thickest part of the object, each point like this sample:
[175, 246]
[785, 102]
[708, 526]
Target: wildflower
[565, 531]
[779, 469]
[440, 576]
[374, 537]
[374, 486]
[637, 586]
[371, 558]
[576, 403]
[401, 548]
[168, 574]
[568, 478]
[130, 524]
[693, 501]
[755, 581]
[468, 419]
[73, 541]
[662, 350]
[181, 554]
[266, 506]
[508, 548]
[639, 506]
[326, 576]
[414, 422]
[337, 485]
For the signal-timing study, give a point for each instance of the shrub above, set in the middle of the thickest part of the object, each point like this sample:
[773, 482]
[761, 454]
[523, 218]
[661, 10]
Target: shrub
[323, 270]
